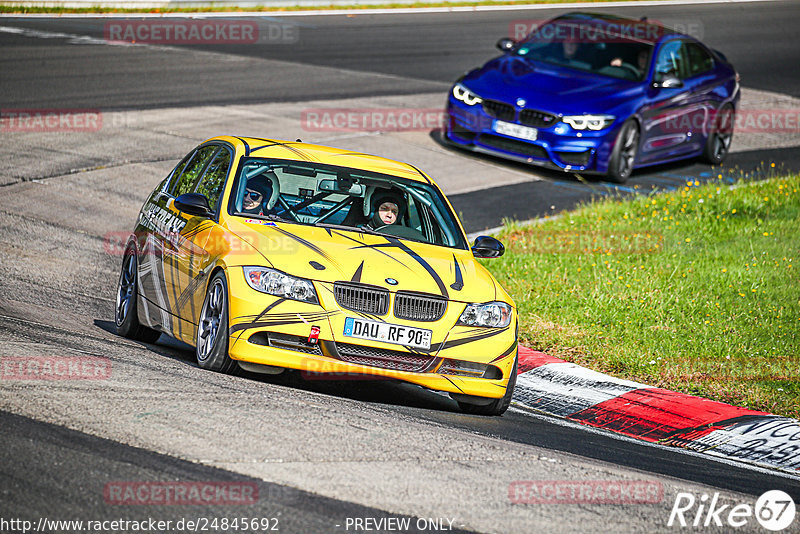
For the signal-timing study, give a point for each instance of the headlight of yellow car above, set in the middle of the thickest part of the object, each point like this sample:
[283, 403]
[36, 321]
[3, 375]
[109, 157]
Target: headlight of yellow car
[280, 284]
[494, 314]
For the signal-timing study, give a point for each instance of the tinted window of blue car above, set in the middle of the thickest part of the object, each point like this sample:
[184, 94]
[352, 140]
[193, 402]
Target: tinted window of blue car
[571, 45]
[700, 59]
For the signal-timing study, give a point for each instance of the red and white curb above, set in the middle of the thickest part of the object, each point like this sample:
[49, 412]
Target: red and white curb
[560, 388]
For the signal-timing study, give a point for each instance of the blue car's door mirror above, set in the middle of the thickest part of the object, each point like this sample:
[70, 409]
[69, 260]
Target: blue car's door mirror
[505, 44]
[668, 82]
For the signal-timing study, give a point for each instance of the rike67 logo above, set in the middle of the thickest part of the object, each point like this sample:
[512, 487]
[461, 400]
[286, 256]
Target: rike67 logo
[774, 510]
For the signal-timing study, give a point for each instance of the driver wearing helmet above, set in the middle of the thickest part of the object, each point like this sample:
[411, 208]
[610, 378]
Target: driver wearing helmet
[388, 207]
[256, 195]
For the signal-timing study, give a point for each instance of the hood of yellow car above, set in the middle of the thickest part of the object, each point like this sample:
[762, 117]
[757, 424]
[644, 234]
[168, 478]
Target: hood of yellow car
[332, 255]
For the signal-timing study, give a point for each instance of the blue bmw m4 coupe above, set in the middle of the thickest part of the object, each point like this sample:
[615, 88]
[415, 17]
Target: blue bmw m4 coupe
[596, 94]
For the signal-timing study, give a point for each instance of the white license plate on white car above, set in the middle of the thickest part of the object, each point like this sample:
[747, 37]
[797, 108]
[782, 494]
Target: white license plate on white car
[515, 130]
[408, 336]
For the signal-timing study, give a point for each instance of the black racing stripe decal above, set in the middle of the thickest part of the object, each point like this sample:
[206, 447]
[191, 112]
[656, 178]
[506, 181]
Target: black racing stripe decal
[270, 307]
[197, 229]
[506, 352]
[261, 324]
[395, 243]
[458, 285]
[305, 243]
[305, 315]
[289, 315]
[297, 152]
[350, 154]
[456, 342]
[376, 248]
[191, 288]
[170, 264]
[272, 142]
[279, 322]
[370, 316]
[257, 148]
[246, 146]
[425, 265]
[357, 274]
[454, 384]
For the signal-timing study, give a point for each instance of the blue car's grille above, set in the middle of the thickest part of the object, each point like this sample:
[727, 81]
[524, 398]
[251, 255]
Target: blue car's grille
[512, 145]
[537, 119]
[499, 110]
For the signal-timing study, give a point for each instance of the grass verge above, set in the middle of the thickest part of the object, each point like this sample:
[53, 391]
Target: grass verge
[234, 9]
[696, 291]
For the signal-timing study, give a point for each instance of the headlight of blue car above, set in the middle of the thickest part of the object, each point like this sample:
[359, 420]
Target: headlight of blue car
[589, 122]
[465, 95]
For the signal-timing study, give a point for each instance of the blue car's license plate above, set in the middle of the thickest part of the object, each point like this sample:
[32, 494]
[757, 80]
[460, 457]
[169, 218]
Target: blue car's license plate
[515, 130]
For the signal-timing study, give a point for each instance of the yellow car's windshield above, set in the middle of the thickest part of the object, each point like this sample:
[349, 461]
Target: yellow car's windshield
[346, 198]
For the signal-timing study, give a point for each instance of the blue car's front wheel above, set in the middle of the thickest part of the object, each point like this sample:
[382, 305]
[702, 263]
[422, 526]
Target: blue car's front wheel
[623, 156]
[720, 137]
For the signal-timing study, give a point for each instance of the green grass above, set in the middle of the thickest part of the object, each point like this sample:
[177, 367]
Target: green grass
[696, 291]
[12, 8]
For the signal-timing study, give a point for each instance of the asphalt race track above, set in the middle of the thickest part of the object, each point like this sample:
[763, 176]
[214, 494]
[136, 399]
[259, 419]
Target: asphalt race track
[319, 454]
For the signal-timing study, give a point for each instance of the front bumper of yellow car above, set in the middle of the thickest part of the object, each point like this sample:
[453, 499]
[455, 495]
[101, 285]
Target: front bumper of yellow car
[270, 331]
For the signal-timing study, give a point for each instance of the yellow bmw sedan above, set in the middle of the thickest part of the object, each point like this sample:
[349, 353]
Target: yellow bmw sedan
[269, 255]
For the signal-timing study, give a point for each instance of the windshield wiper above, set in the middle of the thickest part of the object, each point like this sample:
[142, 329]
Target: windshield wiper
[267, 217]
[362, 229]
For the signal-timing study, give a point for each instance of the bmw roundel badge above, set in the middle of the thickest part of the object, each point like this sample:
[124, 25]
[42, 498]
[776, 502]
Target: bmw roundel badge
[391, 281]
[521, 102]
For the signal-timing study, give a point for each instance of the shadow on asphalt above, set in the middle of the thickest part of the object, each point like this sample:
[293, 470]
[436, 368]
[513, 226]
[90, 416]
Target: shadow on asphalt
[353, 387]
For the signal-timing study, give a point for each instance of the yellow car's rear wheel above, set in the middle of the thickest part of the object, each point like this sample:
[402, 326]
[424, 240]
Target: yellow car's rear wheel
[126, 315]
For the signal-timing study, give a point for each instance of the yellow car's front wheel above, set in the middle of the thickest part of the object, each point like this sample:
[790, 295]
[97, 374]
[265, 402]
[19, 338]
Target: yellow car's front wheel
[211, 346]
[497, 406]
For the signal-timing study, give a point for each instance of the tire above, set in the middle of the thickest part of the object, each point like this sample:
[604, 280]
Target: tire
[211, 344]
[720, 137]
[497, 406]
[623, 156]
[126, 315]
